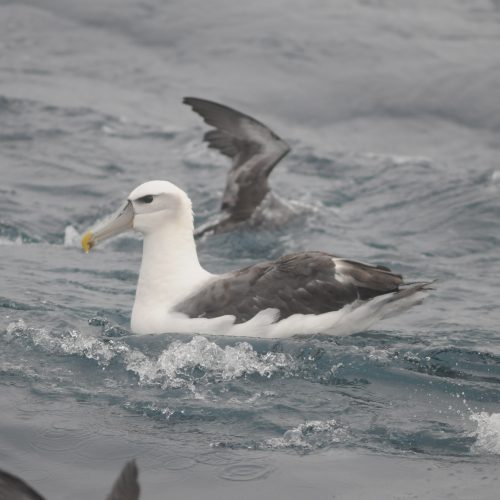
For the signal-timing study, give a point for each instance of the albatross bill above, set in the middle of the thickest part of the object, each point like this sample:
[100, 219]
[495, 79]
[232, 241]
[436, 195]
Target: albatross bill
[87, 241]
[121, 221]
[301, 293]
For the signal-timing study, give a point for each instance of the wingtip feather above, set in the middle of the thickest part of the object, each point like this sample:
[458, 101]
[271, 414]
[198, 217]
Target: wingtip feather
[14, 488]
[126, 487]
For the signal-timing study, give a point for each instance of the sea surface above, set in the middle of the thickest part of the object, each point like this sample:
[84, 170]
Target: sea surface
[392, 109]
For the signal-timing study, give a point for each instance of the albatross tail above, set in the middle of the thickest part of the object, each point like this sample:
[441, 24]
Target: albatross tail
[355, 317]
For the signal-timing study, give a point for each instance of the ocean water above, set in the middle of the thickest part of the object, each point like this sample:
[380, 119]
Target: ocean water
[393, 113]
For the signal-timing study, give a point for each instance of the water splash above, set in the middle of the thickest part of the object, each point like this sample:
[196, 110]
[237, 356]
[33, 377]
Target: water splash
[206, 361]
[6, 241]
[310, 436]
[487, 433]
[182, 364]
[70, 342]
[71, 237]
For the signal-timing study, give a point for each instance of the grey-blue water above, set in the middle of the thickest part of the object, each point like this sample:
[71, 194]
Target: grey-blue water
[393, 112]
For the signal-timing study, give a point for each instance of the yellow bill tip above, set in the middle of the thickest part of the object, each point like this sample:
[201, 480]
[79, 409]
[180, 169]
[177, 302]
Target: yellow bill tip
[87, 242]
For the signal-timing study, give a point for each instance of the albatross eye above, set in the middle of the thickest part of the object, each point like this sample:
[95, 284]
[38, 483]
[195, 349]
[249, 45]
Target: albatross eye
[146, 199]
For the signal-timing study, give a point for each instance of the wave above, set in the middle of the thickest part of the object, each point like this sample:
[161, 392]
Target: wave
[271, 395]
[182, 364]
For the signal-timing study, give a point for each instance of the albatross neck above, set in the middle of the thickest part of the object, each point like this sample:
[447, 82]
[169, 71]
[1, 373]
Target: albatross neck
[170, 271]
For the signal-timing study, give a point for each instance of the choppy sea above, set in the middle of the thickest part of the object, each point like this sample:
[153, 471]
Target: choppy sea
[392, 109]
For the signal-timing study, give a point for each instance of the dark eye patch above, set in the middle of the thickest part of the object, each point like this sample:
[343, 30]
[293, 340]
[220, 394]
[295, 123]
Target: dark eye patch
[146, 199]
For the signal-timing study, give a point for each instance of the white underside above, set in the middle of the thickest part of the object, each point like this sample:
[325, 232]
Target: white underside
[350, 319]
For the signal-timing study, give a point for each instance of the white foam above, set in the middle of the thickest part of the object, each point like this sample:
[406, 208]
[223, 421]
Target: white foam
[70, 342]
[71, 237]
[487, 433]
[7, 241]
[174, 364]
[310, 435]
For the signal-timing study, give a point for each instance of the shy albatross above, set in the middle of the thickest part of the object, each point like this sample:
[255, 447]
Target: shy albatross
[254, 150]
[126, 487]
[300, 293]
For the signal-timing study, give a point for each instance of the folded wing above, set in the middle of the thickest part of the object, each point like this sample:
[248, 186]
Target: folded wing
[300, 283]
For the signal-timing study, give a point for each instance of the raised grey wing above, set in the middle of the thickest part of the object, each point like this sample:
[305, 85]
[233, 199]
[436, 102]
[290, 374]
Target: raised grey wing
[126, 487]
[303, 283]
[14, 488]
[253, 148]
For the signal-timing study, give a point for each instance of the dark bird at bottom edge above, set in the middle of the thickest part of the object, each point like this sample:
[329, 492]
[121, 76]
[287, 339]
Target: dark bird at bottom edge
[126, 487]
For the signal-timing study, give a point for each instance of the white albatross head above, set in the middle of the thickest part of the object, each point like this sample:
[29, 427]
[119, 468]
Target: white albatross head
[150, 207]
